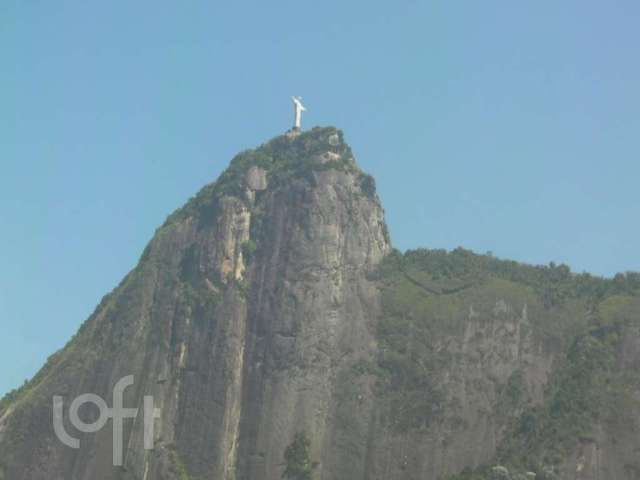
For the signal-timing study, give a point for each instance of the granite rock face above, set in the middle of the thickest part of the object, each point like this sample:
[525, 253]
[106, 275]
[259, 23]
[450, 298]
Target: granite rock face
[247, 308]
[259, 310]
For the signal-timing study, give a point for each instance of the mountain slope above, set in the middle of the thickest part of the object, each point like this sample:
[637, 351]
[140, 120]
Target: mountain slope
[277, 331]
[484, 363]
[244, 312]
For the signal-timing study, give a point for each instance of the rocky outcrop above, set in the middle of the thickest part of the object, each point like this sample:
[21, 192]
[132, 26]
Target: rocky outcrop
[246, 310]
[270, 305]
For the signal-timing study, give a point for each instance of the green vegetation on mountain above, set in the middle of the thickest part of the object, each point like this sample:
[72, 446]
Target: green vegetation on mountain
[283, 158]
[428, 294]
[298, 464]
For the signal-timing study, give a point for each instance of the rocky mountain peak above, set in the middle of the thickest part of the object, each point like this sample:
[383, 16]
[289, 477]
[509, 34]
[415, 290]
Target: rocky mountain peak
[279, 335]
[246, 307]
[316, 167]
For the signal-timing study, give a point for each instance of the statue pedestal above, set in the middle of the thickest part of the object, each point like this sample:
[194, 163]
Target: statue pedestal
[293, 133]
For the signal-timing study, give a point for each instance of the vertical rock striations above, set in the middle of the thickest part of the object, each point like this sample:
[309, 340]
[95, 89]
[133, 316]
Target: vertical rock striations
[241, 319]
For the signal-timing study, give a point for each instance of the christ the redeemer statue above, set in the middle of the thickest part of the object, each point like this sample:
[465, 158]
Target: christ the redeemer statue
[298, 108]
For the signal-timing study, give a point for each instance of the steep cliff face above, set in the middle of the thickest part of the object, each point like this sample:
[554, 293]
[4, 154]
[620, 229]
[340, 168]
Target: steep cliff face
[241, 319]
[271, 307]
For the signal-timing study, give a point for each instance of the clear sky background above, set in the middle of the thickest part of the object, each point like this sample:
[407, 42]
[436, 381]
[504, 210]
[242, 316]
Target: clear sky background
[509, 126]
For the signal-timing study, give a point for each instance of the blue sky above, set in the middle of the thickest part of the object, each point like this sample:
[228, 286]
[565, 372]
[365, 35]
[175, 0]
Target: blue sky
[499, 125]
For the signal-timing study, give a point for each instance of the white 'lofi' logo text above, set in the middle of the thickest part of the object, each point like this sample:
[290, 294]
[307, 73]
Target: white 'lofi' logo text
[118, 413]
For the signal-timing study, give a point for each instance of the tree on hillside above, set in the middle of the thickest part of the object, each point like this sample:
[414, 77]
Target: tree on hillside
[298, 464]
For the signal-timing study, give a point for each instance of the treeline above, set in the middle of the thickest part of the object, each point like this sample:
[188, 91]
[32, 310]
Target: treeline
[553, 282]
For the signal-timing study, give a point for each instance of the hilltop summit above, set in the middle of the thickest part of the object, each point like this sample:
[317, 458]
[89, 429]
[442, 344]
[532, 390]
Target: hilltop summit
[279, 333]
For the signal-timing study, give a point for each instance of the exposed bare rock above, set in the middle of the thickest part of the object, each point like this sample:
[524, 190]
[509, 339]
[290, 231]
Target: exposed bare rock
[257, 178]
